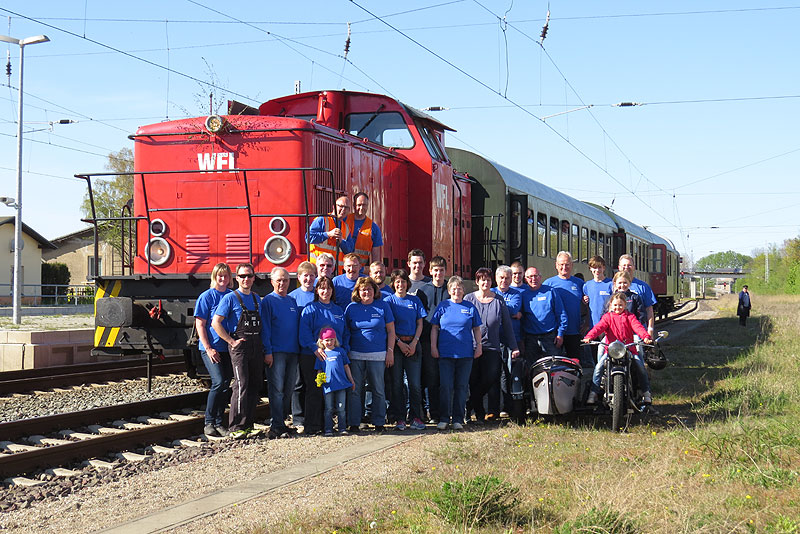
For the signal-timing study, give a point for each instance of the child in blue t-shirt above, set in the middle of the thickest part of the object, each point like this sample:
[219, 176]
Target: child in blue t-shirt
[336, 379]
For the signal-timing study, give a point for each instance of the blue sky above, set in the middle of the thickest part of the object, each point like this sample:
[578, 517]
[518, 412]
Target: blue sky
[710, 160]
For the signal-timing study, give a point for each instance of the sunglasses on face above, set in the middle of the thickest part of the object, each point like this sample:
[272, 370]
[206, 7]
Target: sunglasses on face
[249, 275]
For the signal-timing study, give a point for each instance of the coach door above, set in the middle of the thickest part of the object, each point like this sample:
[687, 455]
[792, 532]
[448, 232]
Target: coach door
[517, 229]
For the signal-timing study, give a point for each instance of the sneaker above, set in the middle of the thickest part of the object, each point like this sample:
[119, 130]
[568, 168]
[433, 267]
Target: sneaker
[285, 435]
[221, 430]
[504, 415]
[253, 432]
[343, 433]
[492, 417]
[458, 426]
[379, 429]
[238, 434]
[328, 434]
[400, 426]
[441, 426]
[211, 431]
[416, 424]
[592, 398]
[354, 429]
[478, 421]
[647, 398]
[272, 434]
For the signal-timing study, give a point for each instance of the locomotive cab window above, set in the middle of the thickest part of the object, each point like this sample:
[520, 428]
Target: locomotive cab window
[387, 129]
[431, 142]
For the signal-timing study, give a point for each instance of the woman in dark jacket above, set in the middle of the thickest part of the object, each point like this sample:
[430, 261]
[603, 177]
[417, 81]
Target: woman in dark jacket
[743, 310]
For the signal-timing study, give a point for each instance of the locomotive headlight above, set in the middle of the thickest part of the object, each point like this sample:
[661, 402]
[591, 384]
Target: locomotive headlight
[158, 251]
[277, 249]
[617, 350]
[278, 225]
[158, 227]
[214, 123]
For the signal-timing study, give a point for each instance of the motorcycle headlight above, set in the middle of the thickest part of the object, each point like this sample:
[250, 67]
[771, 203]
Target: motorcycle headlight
[617, 350]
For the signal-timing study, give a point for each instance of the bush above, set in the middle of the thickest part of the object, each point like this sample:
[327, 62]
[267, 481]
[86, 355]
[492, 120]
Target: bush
[54, 273]
[482, 500]
[599, 521]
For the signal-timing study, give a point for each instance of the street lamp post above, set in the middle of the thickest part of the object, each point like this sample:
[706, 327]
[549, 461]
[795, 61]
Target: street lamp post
[18, 222]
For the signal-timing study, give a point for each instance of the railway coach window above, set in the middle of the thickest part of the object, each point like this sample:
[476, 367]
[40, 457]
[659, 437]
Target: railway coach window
[387, 129]
[601, 246]
[576, 243]
[592, 243]
[541, 234]
[655, 254]
[553, 237]
[565, 244]
[585, 245]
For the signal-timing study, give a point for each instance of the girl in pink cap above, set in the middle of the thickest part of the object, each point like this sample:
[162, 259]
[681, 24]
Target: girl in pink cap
[335, 379]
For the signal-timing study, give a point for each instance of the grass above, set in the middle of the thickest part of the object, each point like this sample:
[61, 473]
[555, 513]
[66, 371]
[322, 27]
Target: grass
[722, 456]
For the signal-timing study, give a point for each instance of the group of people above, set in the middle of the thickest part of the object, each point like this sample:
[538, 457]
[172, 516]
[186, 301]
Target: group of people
[412, 351]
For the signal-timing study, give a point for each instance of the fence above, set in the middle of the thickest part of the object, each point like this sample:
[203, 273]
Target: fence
[50, 294]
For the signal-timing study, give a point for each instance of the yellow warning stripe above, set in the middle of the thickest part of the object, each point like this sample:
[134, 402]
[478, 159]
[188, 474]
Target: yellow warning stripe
[100, 331]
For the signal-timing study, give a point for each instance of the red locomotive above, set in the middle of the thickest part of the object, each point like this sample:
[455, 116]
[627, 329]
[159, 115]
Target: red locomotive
[246, 186]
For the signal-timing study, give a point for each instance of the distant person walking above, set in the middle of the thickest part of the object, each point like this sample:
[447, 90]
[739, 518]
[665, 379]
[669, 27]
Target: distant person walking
[743, 309]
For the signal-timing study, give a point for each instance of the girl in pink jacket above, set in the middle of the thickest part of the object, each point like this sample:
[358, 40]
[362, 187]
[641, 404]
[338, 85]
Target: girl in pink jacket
[619, 324]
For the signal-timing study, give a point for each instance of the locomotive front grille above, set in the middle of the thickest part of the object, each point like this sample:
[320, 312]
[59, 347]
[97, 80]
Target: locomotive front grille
[198, 249]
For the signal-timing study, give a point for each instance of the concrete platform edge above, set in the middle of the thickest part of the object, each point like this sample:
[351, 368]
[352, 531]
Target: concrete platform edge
[215, 501]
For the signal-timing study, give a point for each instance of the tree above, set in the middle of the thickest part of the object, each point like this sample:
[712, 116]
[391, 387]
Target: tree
[722, 260]
[110, 195]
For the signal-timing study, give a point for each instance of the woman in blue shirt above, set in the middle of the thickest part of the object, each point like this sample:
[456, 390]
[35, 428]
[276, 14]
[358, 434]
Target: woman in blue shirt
[371, 325]
[455, 341]
[322, 312]
[408, 312]
[214, 351]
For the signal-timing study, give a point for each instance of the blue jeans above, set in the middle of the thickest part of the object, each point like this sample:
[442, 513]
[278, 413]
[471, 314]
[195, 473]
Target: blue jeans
[220, 392]
[412, 365]
[335, 403]
[282, 379]
[361, 370]
[453, 386]
[638, 367]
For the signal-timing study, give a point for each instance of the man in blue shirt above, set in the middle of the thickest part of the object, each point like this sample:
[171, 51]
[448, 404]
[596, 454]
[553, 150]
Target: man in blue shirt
[544, 319]
[237, 322]
[570, 289]
[343, 284]
[280, 317]
[597, 291]
[642, 289]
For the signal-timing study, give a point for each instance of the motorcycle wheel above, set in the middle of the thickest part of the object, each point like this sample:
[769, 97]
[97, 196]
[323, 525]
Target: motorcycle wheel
[617, 404]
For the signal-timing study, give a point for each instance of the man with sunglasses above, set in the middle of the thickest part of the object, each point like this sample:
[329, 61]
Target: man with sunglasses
[329, 233]
[238, 322]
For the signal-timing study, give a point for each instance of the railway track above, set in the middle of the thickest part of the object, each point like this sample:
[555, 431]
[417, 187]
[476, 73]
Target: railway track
[686, 308]
[86, 373]
[49, 442]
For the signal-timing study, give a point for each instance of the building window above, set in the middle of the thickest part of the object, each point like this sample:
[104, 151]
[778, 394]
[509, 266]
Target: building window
[90, 270]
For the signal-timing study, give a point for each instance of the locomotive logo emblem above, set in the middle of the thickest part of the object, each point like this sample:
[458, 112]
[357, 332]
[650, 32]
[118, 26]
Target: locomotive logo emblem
[215, 161]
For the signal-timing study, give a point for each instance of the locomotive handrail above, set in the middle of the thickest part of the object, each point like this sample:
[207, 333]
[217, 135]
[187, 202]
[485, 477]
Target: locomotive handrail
[250, 215]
